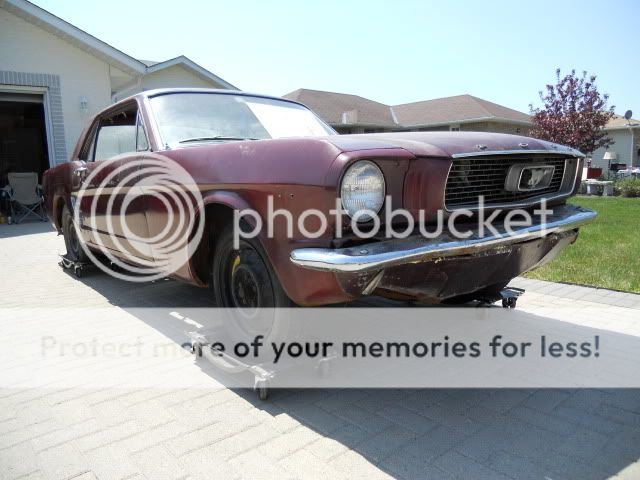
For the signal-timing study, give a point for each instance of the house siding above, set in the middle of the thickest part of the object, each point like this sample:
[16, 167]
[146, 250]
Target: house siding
[623, 139]
[30, 56]
[175, 76]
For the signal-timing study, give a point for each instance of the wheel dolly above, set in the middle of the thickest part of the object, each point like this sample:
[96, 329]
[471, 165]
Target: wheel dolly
[69, 264]
[202, 346]
[508, 296]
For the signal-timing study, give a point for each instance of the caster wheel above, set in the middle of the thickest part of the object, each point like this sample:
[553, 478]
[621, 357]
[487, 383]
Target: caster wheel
[77, 272]
[324, 369]
[509, 302]
[197, 349]
[262, 391]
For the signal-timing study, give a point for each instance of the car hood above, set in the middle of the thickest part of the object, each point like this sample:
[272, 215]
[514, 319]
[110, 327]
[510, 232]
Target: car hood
[447, 144]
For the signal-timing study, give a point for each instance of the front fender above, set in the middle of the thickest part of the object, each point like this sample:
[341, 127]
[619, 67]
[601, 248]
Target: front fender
[301, 285]
[231, 200]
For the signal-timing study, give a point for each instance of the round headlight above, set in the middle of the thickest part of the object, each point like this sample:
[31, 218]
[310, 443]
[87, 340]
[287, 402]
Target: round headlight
[362, 189]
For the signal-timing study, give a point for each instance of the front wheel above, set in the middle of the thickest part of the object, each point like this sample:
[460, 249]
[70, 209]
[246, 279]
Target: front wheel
[244, 281]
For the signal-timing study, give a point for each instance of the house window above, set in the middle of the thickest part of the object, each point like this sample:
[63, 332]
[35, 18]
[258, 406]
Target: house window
[518, 130]
[454, 128]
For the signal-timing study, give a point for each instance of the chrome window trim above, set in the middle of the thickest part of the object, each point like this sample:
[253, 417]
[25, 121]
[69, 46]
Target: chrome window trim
[153, 133]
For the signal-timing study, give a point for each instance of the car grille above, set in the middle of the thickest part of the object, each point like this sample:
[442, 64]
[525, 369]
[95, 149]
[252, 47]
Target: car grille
[470, 178]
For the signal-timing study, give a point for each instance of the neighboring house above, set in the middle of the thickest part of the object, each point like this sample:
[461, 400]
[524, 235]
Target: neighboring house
[626, 147]
[461, 112]
[54, 77]
[355, 114]
[347, 113]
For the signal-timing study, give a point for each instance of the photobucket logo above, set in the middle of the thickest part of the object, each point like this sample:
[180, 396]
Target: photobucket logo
[391, 223]
[113, 207]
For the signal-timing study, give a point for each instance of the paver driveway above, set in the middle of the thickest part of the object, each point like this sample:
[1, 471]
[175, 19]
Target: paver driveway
[213, 432]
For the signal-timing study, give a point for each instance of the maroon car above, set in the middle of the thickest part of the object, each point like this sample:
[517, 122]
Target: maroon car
[255, 153]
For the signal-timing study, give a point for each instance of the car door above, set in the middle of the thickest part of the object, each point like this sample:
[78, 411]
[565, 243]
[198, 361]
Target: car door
[111, 207]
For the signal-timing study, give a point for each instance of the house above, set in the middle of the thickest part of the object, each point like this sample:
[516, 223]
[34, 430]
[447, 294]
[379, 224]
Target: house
[347, 113]
[626, 147]
[54, 77]
[461, 113]
[355, 114]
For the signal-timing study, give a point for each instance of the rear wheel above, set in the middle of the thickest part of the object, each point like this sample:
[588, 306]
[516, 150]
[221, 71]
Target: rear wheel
[244, 282]
[72, 240]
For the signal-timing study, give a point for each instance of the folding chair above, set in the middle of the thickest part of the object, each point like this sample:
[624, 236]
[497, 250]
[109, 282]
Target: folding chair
[26, 194]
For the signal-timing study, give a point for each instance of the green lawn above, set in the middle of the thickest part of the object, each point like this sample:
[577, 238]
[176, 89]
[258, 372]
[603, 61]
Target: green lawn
[607, 252]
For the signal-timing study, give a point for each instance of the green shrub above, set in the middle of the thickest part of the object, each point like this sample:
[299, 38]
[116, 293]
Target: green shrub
[629, 187]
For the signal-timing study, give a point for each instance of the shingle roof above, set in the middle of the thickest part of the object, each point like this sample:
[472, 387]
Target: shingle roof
[620, 122]
[341, 108]
[334, 108]
[454, 109]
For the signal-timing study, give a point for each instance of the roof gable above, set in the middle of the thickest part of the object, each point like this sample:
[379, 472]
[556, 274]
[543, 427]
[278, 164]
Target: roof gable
[59, 27]
[102, 50]
[189, 64]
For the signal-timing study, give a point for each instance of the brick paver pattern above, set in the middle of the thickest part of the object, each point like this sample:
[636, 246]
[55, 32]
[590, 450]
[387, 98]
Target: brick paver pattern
[212, 432]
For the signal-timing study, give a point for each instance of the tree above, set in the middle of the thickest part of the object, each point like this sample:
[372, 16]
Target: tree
[574, 113]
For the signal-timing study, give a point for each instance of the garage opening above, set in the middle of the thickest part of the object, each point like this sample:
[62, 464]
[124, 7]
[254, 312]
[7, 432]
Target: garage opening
[23, 135]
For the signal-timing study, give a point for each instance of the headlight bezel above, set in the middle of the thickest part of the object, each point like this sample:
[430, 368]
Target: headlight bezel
[341, 190]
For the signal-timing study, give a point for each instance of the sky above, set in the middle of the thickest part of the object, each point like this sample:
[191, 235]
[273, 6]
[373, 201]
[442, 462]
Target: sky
[389, 51]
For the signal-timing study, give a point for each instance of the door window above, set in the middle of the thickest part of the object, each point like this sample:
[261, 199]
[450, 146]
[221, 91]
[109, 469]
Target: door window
[119, 133]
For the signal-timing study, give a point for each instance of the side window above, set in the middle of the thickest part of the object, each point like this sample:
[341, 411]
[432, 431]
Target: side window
[117, 134]
[142, 144]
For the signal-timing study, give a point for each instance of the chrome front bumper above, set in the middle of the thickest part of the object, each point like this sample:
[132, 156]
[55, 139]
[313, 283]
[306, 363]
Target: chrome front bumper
[416, 249]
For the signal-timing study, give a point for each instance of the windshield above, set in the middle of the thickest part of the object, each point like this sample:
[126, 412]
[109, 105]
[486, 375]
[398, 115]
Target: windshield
[184, 118]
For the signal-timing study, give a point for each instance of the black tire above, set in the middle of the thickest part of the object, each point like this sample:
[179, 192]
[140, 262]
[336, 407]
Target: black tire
[75, 252]
[244, 282]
